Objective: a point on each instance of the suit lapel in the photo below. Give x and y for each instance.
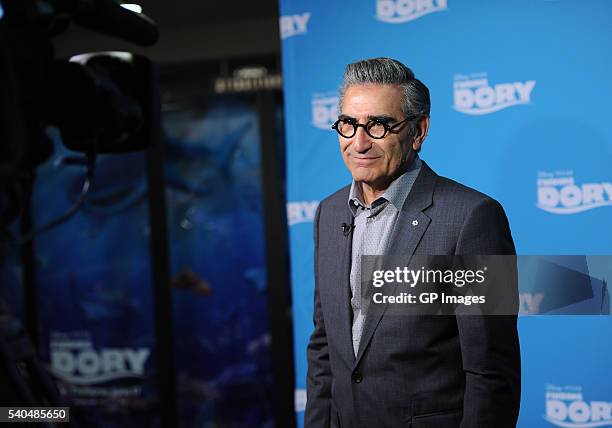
(343, 267)
(407, 233)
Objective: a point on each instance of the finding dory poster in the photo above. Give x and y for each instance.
(94, 276)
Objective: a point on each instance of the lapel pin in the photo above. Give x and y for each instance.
(415, 223)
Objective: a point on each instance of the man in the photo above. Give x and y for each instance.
(371, 370)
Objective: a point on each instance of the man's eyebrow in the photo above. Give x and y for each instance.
(376, 117)
(382, 118)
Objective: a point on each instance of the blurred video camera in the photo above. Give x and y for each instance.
(100, 102)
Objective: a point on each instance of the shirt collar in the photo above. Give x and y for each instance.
(396, 193)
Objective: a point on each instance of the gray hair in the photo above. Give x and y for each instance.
(387, 71)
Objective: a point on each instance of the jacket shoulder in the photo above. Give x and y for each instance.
(454, 203)
(459, 195)
(337, 199)
(471, 221)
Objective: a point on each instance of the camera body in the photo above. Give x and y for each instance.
(101, 102)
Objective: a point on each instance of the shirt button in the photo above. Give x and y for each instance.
(357, 378)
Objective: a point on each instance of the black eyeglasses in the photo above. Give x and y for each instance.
(375, 128)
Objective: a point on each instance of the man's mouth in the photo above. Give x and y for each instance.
(364, 161)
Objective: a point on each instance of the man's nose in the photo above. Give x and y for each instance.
(361, 141)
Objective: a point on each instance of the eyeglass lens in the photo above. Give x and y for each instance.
(374, 128)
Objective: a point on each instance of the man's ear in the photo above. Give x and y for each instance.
(422, 127)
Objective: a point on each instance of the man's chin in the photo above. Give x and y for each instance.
(365, 178)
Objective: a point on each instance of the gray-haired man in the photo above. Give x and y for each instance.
(370, 370)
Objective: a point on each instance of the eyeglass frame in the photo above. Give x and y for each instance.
(365, 126)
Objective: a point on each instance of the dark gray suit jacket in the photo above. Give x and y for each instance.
(416, 371)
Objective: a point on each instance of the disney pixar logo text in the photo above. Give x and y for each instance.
(292, 25)
(400, 11)
(324, 110)
(78, 362)
(301, 211)
(474, 95)
(567, 408)
(559, 194)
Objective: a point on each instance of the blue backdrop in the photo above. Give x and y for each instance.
(520, 111)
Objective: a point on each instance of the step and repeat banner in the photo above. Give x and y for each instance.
(520, 110)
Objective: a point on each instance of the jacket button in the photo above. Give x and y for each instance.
(357, 378)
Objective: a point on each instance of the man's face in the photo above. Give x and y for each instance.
(374, 161)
